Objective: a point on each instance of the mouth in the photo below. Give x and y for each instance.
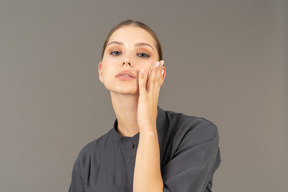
(126, 75)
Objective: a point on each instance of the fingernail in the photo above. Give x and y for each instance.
(162, 71)
(162, 62)
(157, 64)
(142, 71)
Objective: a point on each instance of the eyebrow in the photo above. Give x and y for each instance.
(137, 44)
(143, 44)
(115, 42)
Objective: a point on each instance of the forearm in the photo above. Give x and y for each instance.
(147, 172)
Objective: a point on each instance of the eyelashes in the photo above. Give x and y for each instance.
(142, 55)
(115, 53)
(145, 55)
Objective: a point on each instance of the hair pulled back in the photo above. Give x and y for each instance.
(136, 24)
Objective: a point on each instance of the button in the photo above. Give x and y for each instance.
(133, 146)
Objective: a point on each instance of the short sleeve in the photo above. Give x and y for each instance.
(76, 181)
(192, 167)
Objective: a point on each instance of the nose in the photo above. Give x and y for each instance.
(128, 62)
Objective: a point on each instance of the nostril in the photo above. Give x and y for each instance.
(127, 62)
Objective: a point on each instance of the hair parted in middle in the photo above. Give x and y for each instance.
(136, 24)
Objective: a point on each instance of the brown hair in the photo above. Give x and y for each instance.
(137, 24)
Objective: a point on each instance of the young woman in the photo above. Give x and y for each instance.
(148, 149)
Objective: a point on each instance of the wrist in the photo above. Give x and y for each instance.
(149, 135)
(147, 129)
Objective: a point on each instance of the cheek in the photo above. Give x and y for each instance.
(147, 68)
(107, 70)
(145, 64)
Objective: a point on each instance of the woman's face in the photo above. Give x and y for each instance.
(129, 49)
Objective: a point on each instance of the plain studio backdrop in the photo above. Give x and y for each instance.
(226, 61)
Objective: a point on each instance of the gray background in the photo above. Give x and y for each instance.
(226, 61)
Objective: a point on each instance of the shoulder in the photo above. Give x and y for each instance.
(192, 152)
(195, 129)
(189, 123)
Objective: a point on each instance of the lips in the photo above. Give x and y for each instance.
(126, 73)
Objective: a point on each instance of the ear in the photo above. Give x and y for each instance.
(100, 72)
(163, 74)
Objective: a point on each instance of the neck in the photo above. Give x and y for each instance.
(125, 108)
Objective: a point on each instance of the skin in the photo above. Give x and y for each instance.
(135, 101)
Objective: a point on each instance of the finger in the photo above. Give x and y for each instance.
(160, 71)
(158, 77)
(152, 77)
(149, 76)
(150, 70)
(142, 82)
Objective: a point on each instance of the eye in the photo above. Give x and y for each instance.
(115, 53)
(143, 55)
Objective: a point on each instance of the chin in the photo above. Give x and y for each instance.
(125, 91)
(120, 88)
(128, 92)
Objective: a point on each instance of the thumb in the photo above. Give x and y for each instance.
(142, 82)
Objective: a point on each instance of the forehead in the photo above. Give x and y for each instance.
(132, 35)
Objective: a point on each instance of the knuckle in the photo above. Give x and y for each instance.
(153, 78)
